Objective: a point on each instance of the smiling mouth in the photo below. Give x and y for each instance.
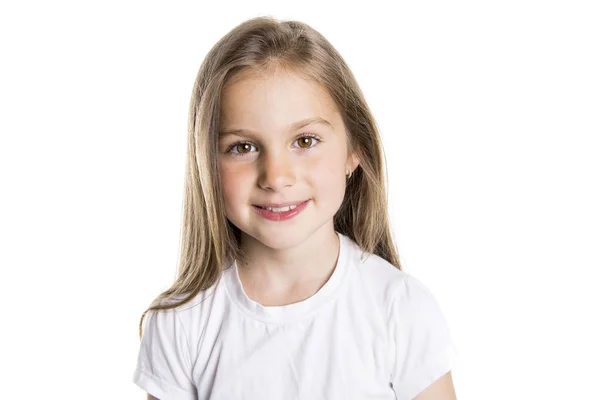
(281, 209)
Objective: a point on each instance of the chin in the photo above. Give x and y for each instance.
(278, 240)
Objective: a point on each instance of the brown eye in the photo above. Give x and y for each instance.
(243, 147)
(306, 142)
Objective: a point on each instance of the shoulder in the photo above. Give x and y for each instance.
(187, 319)
(397, 292)
(375, 273)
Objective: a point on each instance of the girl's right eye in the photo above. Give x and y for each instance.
(240, 148)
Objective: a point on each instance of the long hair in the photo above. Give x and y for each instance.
(208, 241)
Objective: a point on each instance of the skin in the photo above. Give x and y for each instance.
(442, 389)
(287, 261)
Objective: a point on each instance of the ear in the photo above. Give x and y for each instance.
(352, 161)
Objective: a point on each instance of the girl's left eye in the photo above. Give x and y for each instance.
(307, 141)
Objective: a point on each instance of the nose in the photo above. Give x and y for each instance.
(276, 170)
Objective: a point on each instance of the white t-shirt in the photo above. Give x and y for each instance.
(371, 332)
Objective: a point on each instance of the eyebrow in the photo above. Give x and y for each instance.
(295, 126)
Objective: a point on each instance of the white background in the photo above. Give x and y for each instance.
(490, 117)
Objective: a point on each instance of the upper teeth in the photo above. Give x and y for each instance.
(281, 209)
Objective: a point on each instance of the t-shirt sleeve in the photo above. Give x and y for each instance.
(164, 360)
(423, 349)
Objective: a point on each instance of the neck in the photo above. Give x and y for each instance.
(308, 264)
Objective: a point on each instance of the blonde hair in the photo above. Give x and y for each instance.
(209, 242)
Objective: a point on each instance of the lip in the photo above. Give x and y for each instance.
(279, 205)
(280, 216)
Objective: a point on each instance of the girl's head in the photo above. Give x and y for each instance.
(264, 76)
(282, 140)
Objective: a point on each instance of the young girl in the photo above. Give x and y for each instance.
(289, 284)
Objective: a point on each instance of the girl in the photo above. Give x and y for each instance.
(289, 285)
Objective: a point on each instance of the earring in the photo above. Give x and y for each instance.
(348, 173)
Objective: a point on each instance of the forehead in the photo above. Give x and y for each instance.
(274, 99)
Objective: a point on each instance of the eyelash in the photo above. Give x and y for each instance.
(238, 154)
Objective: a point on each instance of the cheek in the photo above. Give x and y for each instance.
(328, 177)
(232, 181)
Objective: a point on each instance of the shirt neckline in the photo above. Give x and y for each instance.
(289, 312)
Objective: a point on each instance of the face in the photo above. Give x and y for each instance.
(267, 155)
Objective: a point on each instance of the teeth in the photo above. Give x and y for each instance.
(281, 209)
